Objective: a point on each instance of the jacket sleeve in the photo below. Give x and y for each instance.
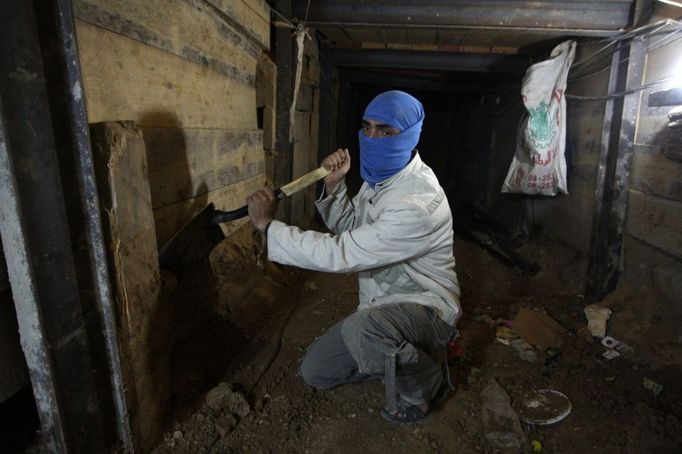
(337, 209)
(399, 234)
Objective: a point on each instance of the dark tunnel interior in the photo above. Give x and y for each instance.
(468, 136)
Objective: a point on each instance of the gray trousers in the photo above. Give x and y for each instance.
(368, 342)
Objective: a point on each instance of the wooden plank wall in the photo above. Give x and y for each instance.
(653, 241)
(185, 71)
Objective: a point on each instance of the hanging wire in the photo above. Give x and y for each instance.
(286, 20)
(655, 28)
(671, 2)
(305, 19)
(621, 93)
(645, 28)
(670, 37)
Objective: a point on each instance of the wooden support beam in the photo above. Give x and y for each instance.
(326, 105)
(613, 175)
(144, 324)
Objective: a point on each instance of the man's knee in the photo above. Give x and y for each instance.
(366, 329)
(312, 373)
(357, 324)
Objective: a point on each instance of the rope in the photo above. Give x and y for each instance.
(300, 35)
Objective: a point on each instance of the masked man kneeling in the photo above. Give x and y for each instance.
(396, 233)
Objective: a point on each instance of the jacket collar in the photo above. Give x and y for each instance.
(414, 164)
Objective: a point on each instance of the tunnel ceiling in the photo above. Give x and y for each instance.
(455, 25)
(472, 84)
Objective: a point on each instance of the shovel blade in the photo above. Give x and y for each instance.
(192, 243)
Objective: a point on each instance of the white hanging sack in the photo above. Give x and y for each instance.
(539, 165)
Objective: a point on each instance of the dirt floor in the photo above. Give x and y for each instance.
(242, 334)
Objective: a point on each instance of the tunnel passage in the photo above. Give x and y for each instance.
(468, 136)
(207, 86)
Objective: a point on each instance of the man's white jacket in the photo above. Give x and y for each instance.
(398, 237)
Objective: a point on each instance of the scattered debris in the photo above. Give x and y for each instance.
(172, 438)
(585, 334)
(486, 319)
(225, 424)
(536, 445)
(525, 350)
(610, 354)
(542, 407)
(501, 425)
(596, 319)
(652, 386)
(505, 335)
(610, 342)
(222, 397)
(310, 285)
(538, 329)
(474, 374)
(614, 348)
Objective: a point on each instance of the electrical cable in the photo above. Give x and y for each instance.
(657, 44)
(620, 94)
(613, 40)
(305, 19)
(640, 34)
(283, 17)
(668, 39)
(671, 2)
(637, 31)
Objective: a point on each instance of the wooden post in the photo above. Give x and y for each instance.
(284, 151)
(143, 321)
(613, 175)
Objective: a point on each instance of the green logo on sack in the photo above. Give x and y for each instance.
(541, 127)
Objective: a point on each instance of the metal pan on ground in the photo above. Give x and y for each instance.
(542, 407)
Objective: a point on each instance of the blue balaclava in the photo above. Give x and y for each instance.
(383, 157)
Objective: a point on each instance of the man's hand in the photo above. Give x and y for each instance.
(339, 163)
(262, 207)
